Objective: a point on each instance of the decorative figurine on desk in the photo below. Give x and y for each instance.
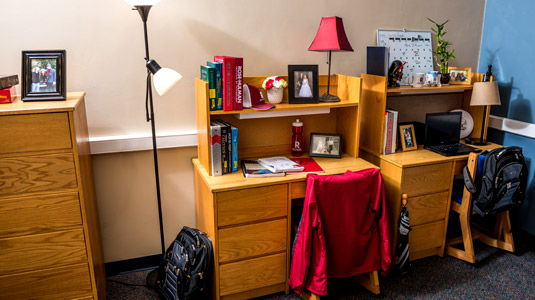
(488, 75)
(395, 73)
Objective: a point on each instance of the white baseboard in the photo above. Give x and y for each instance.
(512, 126)
(140, 142)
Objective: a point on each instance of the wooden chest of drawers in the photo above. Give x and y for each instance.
(50, 245)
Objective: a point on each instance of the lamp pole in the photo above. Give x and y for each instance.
(149, 108)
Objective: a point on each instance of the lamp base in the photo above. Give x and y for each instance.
(477, 142)
(327, 98)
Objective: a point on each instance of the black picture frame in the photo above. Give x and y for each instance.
(325, 145)
(297, 94)
(51, 82)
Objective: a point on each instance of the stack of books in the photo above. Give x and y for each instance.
(224, 146)
(225, 82)
(279, 166)
(7, 88)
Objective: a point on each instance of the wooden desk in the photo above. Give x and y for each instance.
(427, 178)
(248, 220)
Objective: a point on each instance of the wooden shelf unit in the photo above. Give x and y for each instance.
(249, 219)
(426, 177)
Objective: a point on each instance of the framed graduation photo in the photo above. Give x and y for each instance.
(43, 75)
(303, 84)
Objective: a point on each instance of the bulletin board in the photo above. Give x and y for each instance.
(413, 47)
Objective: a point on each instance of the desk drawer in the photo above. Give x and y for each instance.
(34, 132)
(28, 174)
(427, 179)
(426, 236)
(72, 282)
(252, 240)
(250, 205)
(38, 214)
(252, 274)
(34, 252)
(428, 208)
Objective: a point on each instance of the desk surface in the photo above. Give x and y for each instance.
(421, 156)
(236, 179)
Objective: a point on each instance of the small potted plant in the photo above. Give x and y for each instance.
(274, 85)
(442, 56)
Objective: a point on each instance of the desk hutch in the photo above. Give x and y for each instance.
(248, 219)
(50, 246)
(426, 177)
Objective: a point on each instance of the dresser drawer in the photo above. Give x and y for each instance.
(253, 204)
(427, 179)
(72, 282)
(426, 236)
(28, 174)
(252, 240)
(34, 132)
(252, 274)
(34, 252)
(38, 214)
(428, 208)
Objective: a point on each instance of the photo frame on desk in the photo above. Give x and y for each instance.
(303, 84)
(408, 137)
(325, 145)
(460, 75)
(43, 75)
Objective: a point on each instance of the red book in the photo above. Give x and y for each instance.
(7, 95)
(310, 165)
(238, 66)
(228, 81)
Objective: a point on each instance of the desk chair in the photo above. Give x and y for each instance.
(343, 232)
(502, 228)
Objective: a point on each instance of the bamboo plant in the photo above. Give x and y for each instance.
(442, 56)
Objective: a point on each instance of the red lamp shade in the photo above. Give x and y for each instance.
(331, 36)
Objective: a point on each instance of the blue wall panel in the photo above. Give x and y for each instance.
(508, 43)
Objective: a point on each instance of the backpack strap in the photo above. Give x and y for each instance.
(468, 183)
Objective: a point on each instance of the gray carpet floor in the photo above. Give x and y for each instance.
(497, 274)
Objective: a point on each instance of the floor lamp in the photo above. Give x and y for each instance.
(331, 36)
(484, 94)
(164, 79)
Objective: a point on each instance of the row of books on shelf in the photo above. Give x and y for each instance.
(279, 166)
(390, 132)
(7, 88)
(224, 147)
(224, 76)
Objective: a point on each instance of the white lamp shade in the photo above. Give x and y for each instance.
(165, 79)
(142, 2)
(485, 93)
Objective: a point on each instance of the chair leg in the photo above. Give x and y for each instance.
(369, 281)
(468, 253)
(503, 225)
(309, 295)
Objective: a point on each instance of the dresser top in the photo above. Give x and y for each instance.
(21, 107)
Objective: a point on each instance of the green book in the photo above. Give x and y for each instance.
(208, 75)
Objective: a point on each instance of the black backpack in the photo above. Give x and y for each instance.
(503, 182)
(184, 272)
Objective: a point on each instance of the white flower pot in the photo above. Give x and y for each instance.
(274, 95)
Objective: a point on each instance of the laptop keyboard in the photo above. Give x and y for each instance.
(452, 148)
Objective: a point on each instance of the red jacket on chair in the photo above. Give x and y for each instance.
(343, 232)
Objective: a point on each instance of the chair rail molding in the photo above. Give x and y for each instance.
(142, 142)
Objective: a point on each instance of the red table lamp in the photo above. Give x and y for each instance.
(331, 36)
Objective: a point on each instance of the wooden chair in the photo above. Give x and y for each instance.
(369, 281)
(501, 238)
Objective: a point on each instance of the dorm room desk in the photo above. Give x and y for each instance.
(248, 220)
(427, 179)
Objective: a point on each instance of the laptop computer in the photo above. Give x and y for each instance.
(442, 134)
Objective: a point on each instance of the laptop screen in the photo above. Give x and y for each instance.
(442, 128)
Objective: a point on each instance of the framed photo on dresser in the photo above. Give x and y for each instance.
(43, 75)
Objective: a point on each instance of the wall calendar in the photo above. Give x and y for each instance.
(412, 47)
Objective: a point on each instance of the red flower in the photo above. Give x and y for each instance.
(278, 78)
(269, 84)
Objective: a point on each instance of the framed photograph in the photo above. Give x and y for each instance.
(460, 75)
(326, 145)
(408, 138)
(303, 84)
(43, 75)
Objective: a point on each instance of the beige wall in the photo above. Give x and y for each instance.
(104, 43)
